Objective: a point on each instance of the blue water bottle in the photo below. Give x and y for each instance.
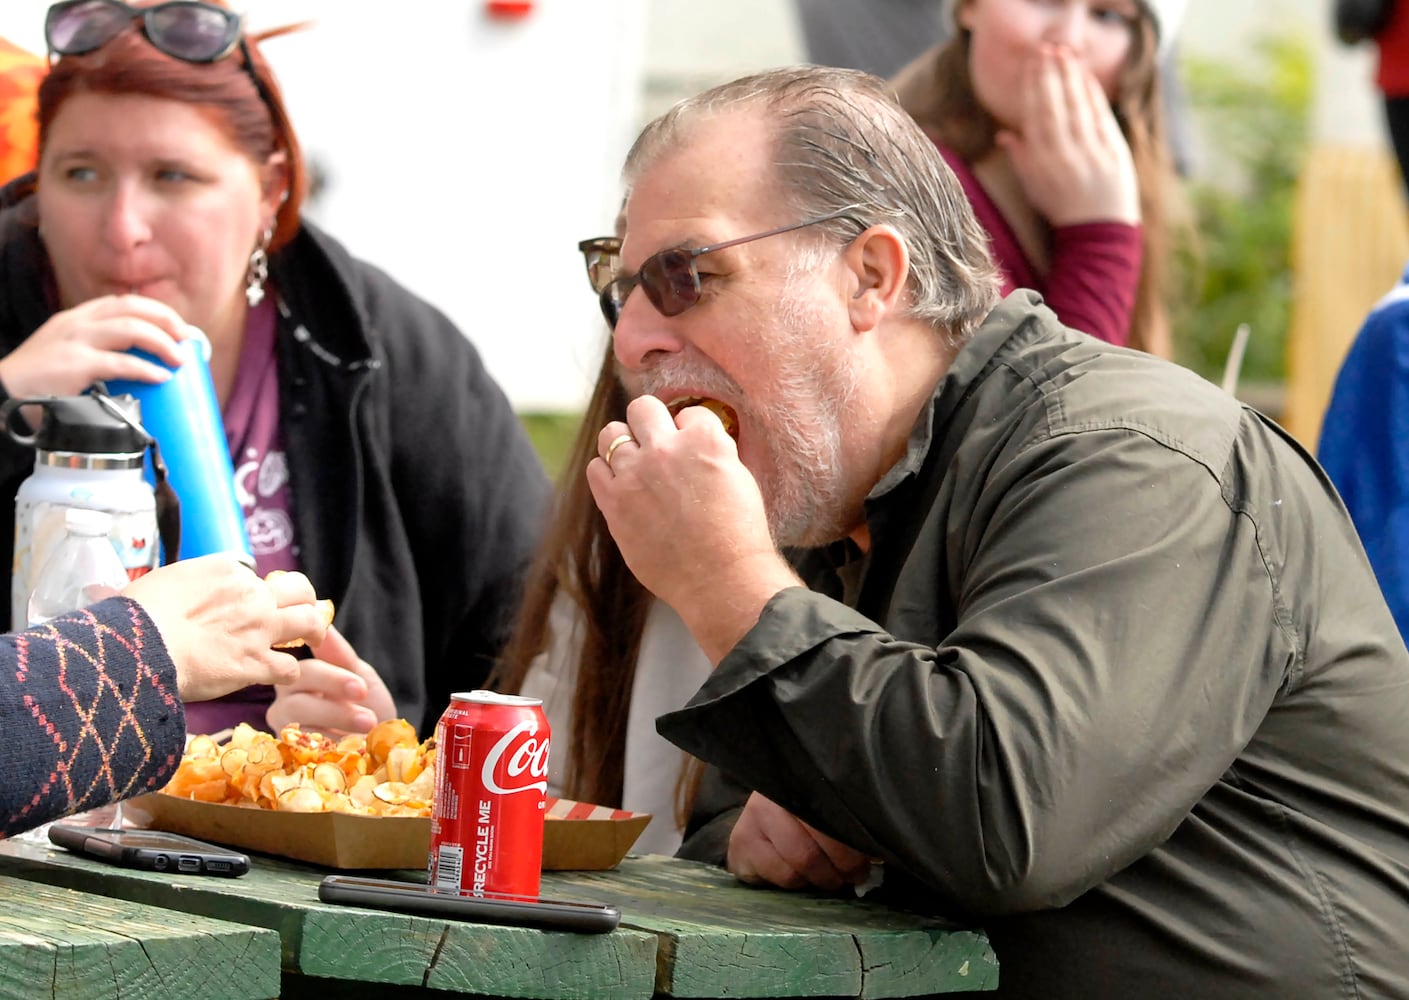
(182, 414)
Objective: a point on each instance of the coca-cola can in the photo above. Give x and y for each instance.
(491, 786)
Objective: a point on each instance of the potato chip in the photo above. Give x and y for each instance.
(386, 773)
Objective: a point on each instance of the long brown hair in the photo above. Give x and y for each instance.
(938, 92)
(255, 122)
(579, 558)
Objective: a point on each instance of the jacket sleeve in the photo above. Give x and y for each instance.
(1362, 447)
(89, 711)
(1096, 684)
(1094, 278)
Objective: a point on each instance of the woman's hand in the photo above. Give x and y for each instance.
(89, 343)
(1070, 156)
(337, 693)
(219, 620)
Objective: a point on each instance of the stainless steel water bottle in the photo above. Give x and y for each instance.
(85, 456)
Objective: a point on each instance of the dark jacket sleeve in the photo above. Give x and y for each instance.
(997, 763)
(89, 711)
(716, 807)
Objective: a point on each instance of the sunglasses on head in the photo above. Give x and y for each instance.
(669, 278)
(188, 30)
(183, 29)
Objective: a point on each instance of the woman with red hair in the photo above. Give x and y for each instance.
(372, 449)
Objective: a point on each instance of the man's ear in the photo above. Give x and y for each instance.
(878, 266)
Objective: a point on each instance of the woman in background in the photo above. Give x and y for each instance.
(605, 656)
(1049, 113)
(374, 451)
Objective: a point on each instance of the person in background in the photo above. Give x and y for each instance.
(1077, 646)
(884, 36)
(1392, 81)
(1362, 443)
(373, 450)
(20, 73)
(1051, 116)
(92, 703)
(605, 657)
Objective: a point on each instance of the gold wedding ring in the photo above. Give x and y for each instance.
(617, 442)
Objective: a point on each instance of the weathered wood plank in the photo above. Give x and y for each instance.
(691, 930)
(63, 943)
(349, 943)
(721, 938)
(369, 945)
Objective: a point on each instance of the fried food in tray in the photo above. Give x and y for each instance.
(385, 773)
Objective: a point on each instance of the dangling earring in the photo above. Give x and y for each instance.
(258, 272)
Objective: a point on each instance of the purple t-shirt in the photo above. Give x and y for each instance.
(256, 441)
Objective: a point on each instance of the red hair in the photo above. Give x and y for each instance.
(256, 123)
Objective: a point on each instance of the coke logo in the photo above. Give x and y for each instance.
(530, 758)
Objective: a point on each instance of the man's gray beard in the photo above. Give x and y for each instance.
(801, 478)
(806, 489)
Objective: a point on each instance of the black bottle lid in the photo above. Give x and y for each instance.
(78, 424)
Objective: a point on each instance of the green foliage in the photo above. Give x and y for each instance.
(551, 434)
(1253, 119)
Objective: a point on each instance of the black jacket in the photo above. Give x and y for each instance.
(418, 498)
(1115, 680)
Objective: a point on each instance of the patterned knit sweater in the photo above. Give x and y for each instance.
(89, 714)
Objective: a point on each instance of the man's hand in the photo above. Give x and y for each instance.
(689, 519)
(219, 620)
(1069, 154)
(771, 845)
(337, 692)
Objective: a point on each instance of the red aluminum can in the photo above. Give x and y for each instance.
(491, 786)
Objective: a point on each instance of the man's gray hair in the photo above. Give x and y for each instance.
(842, 140)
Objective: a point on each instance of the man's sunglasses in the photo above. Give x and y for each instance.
(669, 278)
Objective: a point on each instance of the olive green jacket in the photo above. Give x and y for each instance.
(1115, 680)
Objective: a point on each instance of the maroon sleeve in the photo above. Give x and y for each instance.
(1094, 277)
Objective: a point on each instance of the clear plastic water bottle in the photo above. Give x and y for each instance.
(84, 569)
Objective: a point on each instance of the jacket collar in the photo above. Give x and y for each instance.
(1019, 319)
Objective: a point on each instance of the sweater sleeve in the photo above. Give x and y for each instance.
(90, 714)
(1094, 277)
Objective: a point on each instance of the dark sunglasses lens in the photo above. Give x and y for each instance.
(671, 282)
(611, 306)
(71, 29)
(194, 32)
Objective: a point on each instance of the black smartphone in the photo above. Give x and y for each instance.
(150, 850)
(491, 908)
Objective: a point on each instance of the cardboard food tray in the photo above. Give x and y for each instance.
(576, 836)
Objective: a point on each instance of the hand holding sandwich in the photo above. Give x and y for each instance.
(689, 519)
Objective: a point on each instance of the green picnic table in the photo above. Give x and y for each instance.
(688, 930)
(58, 942)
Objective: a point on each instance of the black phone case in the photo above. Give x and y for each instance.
(175, 854)
(416, 897)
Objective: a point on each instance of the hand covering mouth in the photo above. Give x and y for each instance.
(723, 411)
